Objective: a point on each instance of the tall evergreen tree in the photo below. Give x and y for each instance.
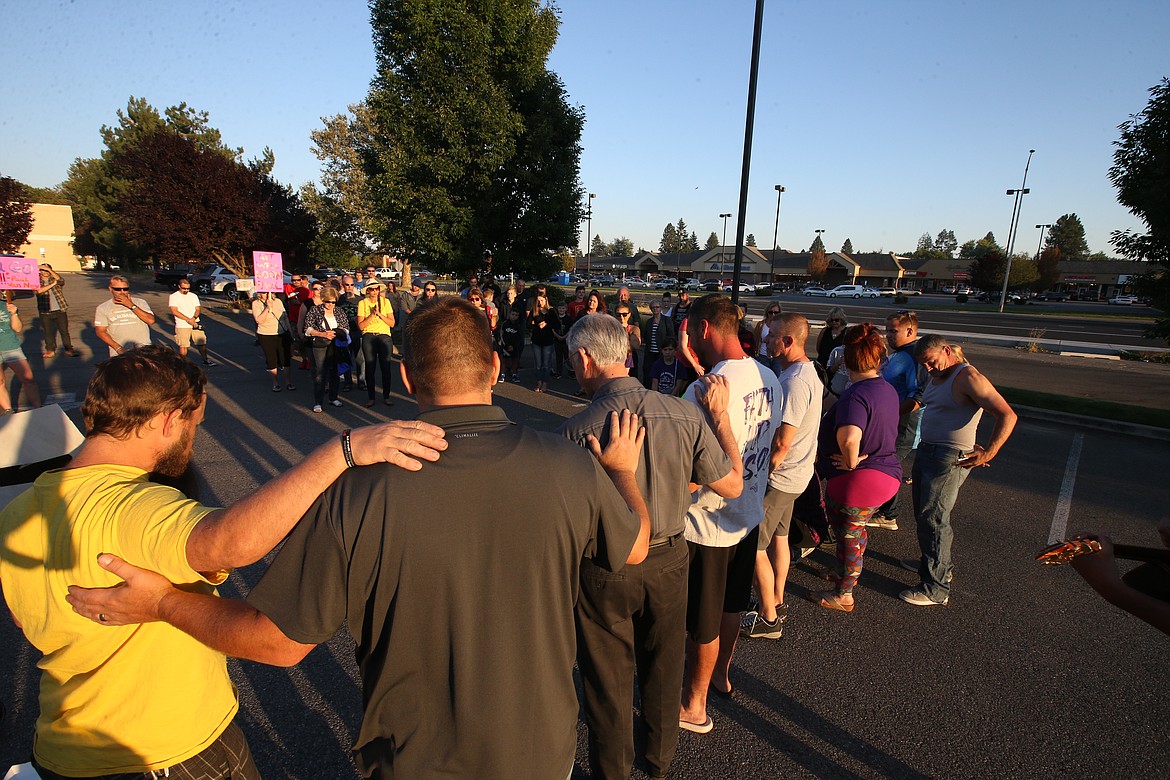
(750, 240)
(473, 141)
(847, 247)
(1068, 235)
(817, 244)
(670, 242)
(712, 241)
(692, 243)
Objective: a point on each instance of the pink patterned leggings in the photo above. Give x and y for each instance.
(851, 499)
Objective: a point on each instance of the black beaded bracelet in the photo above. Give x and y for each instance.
(347, 449)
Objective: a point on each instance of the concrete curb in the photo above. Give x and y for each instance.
(1094, 423)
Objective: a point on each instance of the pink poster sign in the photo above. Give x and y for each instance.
(19, 273)
(269, 272)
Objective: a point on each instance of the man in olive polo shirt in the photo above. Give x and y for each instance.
(463, 624)
(637, 617)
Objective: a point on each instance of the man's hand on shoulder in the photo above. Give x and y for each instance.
(713, 394)
(398, 442)
(137, 600)
(624, 448)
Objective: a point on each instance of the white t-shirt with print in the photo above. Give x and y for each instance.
(754, 407)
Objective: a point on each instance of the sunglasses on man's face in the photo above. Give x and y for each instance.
(120, 289)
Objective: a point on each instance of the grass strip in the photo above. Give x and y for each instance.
(1108, 410)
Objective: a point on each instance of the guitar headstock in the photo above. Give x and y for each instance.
(1064, 552)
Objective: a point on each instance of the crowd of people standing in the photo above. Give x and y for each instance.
(709, 441)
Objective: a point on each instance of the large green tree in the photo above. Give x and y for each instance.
(712, 241)
(987, 268)
(180, 201)
(1141, 174)
(472, 142)
(97, 192)
(1068, 235)
(817, 244)
(15, 216)
(847, 247)
(1048, 268)
(975, 249)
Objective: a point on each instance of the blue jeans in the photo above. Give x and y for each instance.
(544, 359)
(936, 488)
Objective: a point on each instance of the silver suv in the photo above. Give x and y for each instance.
(852, 291)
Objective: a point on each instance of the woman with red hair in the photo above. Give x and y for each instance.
(855, 451)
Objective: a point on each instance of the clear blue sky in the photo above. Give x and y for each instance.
(883, 120)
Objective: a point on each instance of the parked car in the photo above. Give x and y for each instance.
(821, 291)
(949, 290)
(604, 281)
(692, 284)
(635, 282)
(1052, 296)
(888, 292)
(213, 278)
(912, 291)
(174, 273)
(852, 291)
(387, 273)
(993, 296)
(712, 285)
(1123, 300)
(666, 284)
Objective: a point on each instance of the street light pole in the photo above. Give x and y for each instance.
(1011, 245)
(589, 233)
(722, 261)
(776, 234)
(1040, 241)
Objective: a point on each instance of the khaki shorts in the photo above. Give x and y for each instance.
(777, 515)
(185, 337)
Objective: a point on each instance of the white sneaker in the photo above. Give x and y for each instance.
(917, 597)
(336, 402)
(317, 408)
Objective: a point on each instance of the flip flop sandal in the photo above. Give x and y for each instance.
(697, 728)
(830, 600)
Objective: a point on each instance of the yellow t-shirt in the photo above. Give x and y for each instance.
(375, 325)
(113, 699)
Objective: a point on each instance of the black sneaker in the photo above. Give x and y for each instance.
(753, 626)
(555, 374)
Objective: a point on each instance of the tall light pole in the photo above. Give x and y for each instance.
(1040, 242)
(1018, 196)
(588, 232)
(724, 217)
(776, 234)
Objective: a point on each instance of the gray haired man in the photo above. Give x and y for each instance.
(636, 618)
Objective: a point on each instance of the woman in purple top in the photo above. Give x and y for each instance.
(855, 451)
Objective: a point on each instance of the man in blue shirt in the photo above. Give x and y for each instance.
(908, 378)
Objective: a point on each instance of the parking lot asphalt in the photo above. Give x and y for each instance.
(1026, 674)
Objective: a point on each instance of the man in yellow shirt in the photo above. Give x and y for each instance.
(148, 698)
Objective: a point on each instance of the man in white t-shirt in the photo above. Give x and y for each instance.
(123, 322)
(721, 533)
(188, 330)
(794, 453)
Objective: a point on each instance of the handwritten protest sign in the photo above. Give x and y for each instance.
(269, 271)
(19, 273)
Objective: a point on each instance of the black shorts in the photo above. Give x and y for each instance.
(720, 581)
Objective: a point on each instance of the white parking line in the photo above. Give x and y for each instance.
(1064, 500)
